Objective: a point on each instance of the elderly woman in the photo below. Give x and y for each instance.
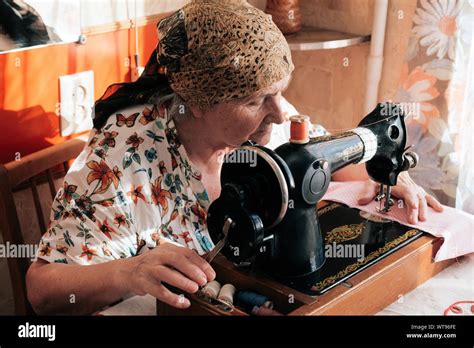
(140, 189)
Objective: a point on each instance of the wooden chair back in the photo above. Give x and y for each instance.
(30, 171)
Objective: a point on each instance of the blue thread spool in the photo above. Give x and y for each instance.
(249, 299)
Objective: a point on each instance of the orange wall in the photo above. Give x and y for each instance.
(29, 84)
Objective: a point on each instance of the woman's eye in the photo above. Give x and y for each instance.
(271, 96)
(260, 101)
(256, 103)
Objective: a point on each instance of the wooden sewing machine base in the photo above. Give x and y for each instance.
(366, 292)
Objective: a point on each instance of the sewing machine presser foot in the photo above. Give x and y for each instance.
(384, 199)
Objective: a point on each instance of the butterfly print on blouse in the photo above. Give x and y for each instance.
(128, 121)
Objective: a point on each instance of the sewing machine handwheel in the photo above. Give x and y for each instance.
(265, 182)
(244, 237)
(245, 233)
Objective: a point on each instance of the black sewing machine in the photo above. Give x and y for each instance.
(266, 215)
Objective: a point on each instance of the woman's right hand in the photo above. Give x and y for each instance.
(177, 266)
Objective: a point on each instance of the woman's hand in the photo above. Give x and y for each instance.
(414, 196)
(177, 266)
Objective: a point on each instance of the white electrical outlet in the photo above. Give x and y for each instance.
(76, 102)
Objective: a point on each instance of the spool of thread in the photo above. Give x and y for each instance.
(299, 129)
(211, 289)
(227, 294)
(264, 311)
(250, 299)
(456, 309)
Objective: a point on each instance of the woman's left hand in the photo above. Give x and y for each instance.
(414, 196)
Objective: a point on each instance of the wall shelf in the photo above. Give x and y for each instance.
(308, 39)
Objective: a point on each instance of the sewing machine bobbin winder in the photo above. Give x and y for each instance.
(272, 236)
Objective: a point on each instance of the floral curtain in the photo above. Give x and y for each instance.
(437, 91)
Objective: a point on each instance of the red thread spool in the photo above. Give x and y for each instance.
(299, 129)
(456, 309)
(264, 311)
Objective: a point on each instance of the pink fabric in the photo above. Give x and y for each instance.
(455, 226)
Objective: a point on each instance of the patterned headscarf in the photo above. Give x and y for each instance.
(210, 51)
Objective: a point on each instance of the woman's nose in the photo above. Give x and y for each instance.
(276, 113)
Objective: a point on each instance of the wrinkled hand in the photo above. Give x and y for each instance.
(177, 266)
(414, 196)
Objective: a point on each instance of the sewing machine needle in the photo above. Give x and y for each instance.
(388, 200)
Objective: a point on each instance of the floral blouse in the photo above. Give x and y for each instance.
(132, 185)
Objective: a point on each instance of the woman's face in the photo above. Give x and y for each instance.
(234, 122)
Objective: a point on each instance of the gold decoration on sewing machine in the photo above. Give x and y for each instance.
(327, 208)
(344, 233)
(353, 267)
